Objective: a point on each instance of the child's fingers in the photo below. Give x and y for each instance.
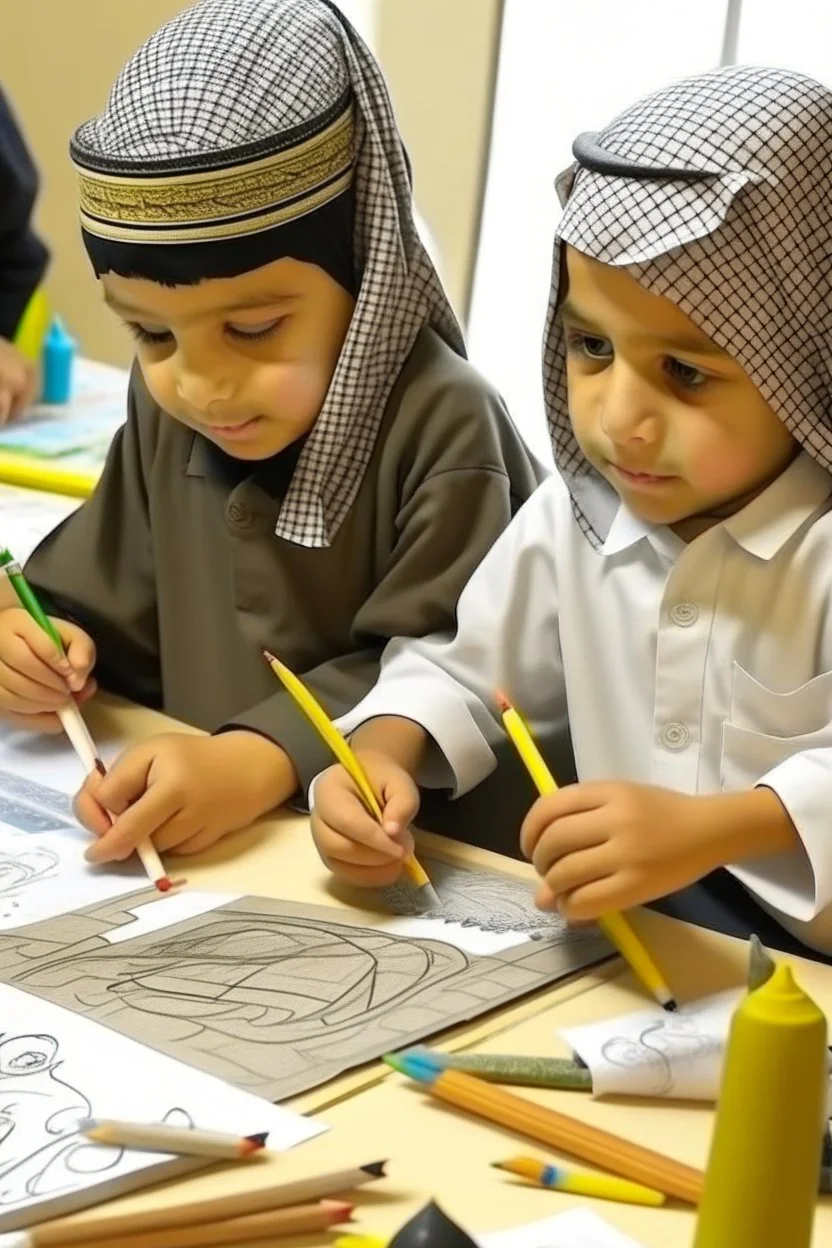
(353, 823)
(80, 651)
(366, 877)
(89, 690)
(28, 650)
(44, 721)
(21, 693)
(6, 399)
(138, 823)
(88, 811)
(401, 803)
(335, 846)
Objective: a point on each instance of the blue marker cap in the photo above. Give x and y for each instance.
(58, 359)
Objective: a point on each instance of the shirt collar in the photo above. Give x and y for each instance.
(772, 518)
(762, 527)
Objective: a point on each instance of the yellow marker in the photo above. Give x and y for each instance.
(360, 1241)
(34, 323)
(581, 1183)
(614, 925)
(345, 755)
(761, 1186)
(35, 474)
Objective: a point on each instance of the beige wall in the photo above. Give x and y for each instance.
(59, 57)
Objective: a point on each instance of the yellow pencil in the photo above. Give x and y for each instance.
(614, 925)
(36, 474)
(581, 1182)
(345, 755)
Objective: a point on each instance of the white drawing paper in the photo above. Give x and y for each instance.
(579, 1228)
(57, 1068)
(462, 936)
(654, 1053)
(42, 867)
(26, 516)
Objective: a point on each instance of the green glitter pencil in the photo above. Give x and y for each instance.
(530, 1072)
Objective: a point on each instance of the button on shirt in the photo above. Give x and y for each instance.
(700, 667)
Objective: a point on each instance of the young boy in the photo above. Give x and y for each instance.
(670, 588)
(309, 465)
(23, 260)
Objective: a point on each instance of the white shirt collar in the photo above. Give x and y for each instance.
(762, 527)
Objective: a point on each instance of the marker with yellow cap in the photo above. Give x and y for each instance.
(761, 1184)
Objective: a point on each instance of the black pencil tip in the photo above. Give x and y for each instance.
(671, 1006)
(259, 1139)
(375, 1168)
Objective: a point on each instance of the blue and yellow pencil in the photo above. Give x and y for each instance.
(581, 1182)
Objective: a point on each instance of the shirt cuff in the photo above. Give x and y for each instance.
(799, 884)
(445, 717)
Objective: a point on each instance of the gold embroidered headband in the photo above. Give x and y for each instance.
(255, 192)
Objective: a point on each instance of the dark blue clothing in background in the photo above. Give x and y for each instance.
(23, 257)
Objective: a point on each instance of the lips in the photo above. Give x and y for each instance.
(641, 477)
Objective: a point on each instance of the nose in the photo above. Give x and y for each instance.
(629, 410)
(202, 381)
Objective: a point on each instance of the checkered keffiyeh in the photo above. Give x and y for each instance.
(746, 254)
(229, 72)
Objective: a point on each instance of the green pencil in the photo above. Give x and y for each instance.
(27, 597)
(530, 1072)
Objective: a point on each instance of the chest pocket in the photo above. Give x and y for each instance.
(765, 727)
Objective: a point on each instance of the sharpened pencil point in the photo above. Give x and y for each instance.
(376, 1169)
(502, 702)
(257, 1141)
(392, 1059)
(430, 897)
(671, 1005)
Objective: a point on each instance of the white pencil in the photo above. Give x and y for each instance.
(159, 1137)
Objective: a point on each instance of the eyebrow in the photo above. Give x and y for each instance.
(239, 305)
(679, 342)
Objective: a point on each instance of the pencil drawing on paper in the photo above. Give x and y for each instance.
(659, 1046)
(29, 806)
(489, 900)
(42, 1152)
(41, 1149)
(272, 996)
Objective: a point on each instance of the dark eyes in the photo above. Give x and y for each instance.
(242, 333)
(593, 347)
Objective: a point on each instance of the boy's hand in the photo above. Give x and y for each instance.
(35, 680)
(18, 382)
(602, 847)
(349, 840)
(184, 792)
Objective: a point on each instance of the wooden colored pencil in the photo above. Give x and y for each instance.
(63, 1232)
(270, 1225)
(615, 927)
(555, 1130)
(581, 1182)
(348, 759)
(160, 1137)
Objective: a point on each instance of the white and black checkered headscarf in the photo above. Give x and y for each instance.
(716, 193)
(231, 74)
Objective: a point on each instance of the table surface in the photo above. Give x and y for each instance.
(434, 1150)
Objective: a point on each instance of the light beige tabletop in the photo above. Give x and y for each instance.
(435, 1151)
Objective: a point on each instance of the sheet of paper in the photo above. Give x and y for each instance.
(57, 1067)
(579, 1228)
(26, 516)
(84, 425)
(466, 937)
(653, 1053)
(42, 867)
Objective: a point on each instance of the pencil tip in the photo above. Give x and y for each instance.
(502, 701)
(376, 1169)
(164, 883)
(100, 768)
(257, 1141)
(268, 657)
(670, 1005)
